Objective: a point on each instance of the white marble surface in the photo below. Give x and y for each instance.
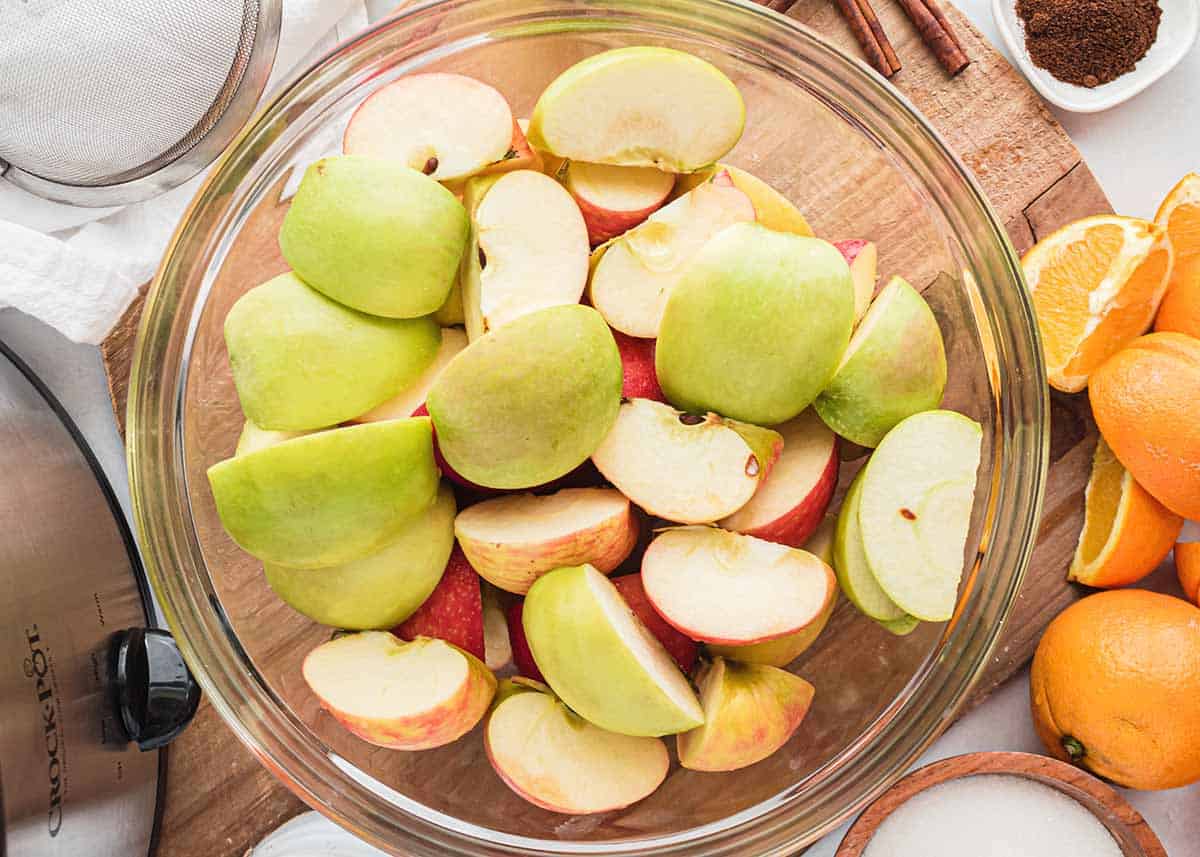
(1137, 151)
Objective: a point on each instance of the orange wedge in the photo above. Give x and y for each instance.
(1180, 216)
(1187, 566)
(1126, 532)
(1096, 286)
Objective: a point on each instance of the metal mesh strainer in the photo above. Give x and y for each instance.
(111, 101)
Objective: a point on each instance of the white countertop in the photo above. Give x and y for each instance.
(1137, 151)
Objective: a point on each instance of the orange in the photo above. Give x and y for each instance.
(1180, 216)
(1115, 687)
(1187, 566)
(1146, 400)
(1096, 285)
(1126, 532)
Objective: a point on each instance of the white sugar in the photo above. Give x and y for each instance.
(992, 815)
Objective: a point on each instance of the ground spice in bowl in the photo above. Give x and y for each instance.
(1088, 42)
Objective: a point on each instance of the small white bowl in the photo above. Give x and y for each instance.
(1177, 33)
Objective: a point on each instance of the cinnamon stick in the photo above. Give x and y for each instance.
(880, 36)
(937, 12)
(866, 37)
(937, 34)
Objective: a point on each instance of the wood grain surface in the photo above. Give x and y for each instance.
(220, 800)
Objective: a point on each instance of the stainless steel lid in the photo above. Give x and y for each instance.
(83, 684)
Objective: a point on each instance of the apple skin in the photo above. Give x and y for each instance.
(530, 401)
(375, 235)
(850, 563)
(645, 190)
(755, 327)
(301, 361)
(442, 723)
(408, 401)
(448, 471)
(637, 365)
(894, 367)
(513, 562)
(382, 589)
(329, 497)
(863, 258)
(683, 649)
(750, 711)
(556, 760)
(453, 611)
(522, 656)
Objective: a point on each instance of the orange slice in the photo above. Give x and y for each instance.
(1180, 216)
(1096, 286)
(1187, 566)
(1126, 532)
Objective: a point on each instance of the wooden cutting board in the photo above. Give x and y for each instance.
(220, 800)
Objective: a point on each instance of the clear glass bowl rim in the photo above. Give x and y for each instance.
(790, 820)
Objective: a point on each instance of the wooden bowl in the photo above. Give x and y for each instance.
(1126, 825)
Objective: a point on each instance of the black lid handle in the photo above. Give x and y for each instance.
(156, 693)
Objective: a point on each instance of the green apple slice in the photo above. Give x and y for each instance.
(850, 562)
(556, 760)
(915, 510)
(640, 107)
(894, 367)
(601, 660)
(330, 497)
(254, 438)
(382, 589)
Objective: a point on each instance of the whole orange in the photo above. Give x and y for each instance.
(1115, 687)
(1146, 399)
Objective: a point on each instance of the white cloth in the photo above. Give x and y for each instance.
(77, 269)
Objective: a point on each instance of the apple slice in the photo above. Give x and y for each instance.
(616, 199)
(791, 503)
(453, 611)
(850, 562)
(918, 490)
(522, 656)
(446, 126)
(771, 208)
(750, 711)
(684, 467)
(601, 660)
(411, 398)
(520, 156)
(497, 645)
(529, 249)
(640, 107)
(863, 258)
(637, 367)
(513, 540)
(683, 649)
(634, 275)
(403, 696)
(556, 760)
(254, 438)
(726, 588)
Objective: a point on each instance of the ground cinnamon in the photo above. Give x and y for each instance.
(1088, 42)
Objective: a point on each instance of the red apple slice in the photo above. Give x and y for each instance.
(513, 540)
(408, 401)
(615, 199)
(403, 696)
(678, 646)
(792, 501)
(863, 258)
(522, 656)
(447, 126)
(722, 587)
(453, 611)
(637, 364)
(556, 760)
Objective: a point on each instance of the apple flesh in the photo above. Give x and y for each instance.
(894, 367)
(637, 367)
(918, 490)
(529, 249)
(792, 501)
(682, 467)
(863, 258)
(601, 660)
(640, 107)
(556, 760)
(726, 588)
(382, 589)
(522, 656)
(750, 711)
(375, 235)
(771, 208)
(497, 646)
(854, 573)
(447, 126)
(756, 326)
(302, 361)
(403, 696)
(329, 497)
(633, 276)
(530, 401)
(513, 540)
(254, 438)
(453, 611)
(613, 200)
(412, 397)
(680, 647)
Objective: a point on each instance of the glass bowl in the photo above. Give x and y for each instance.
(859, 161)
